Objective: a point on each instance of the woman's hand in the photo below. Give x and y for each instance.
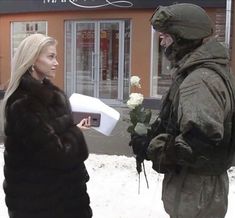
(85, 123)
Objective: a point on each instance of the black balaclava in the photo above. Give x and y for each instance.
(179, 48)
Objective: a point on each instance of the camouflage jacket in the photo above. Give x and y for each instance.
(194, 128)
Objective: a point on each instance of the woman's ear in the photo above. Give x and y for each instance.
(31, 69)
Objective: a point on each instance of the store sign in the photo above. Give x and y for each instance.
(21, 6)
(92, 3)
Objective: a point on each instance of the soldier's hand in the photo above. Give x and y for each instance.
(139, 146)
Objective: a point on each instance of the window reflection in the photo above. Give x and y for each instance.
(161, 77)
(20, 30)
(97, 58)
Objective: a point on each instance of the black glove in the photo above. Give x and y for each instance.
(139, 146)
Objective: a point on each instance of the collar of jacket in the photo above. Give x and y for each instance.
(43, 90)
(211, 51)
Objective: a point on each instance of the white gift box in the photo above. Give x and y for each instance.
(109, 116)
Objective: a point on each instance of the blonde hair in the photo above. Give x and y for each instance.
(24, 58)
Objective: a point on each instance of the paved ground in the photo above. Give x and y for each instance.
(116, 144)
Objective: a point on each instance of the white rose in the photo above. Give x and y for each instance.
(135, 81)
(135, 99)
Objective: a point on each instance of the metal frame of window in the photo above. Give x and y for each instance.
(97, 24)
(25, 22)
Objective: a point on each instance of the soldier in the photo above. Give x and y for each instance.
(191, 141)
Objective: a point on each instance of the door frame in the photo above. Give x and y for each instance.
(97, 24)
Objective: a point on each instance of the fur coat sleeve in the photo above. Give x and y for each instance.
(39, 123)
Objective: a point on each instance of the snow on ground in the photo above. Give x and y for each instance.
(113, 189)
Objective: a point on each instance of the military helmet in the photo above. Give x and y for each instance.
(187, 21)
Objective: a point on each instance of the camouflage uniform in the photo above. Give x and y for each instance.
(191, 139)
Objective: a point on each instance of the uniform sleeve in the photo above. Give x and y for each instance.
(33, 131)
(203, 107)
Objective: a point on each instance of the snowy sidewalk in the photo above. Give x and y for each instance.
(113, 189)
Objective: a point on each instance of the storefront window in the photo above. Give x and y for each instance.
(97, 59)
(126, 60)
(19, 30)
(160, 69)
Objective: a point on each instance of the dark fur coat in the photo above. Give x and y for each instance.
(45, 175)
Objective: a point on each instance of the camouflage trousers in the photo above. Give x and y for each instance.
(187, 195)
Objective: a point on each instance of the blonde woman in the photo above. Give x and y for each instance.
(45, 175)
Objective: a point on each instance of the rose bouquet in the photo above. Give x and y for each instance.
(139, 118)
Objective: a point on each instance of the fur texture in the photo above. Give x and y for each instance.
(45, 175)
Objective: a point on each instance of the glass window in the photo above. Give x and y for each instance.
(68, 58)
(19, 30)
(127, 53)
(97, 59)
(160, 70)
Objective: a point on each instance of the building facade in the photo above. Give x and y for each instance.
(102, 43)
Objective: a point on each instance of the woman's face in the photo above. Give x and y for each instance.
(46, 63)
